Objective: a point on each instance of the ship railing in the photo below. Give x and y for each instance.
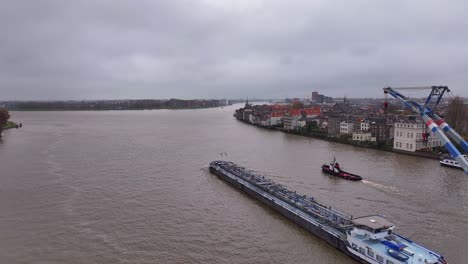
(318, 210)
(338, 225)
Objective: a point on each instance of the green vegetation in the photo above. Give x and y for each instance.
(4, 123)
(10, 124)
(4, 116)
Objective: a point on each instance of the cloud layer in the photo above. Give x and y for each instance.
(229, 49)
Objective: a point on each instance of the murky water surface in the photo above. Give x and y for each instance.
(134, 187)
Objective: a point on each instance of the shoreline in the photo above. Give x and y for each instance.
(387, 148)
(101, 110)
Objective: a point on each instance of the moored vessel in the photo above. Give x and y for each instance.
(448, 161)
(368, 239)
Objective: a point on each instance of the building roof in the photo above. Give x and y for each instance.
(373, 222)
(307, 111)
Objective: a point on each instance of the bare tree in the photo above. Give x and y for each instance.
(457, 115)
(297, 105)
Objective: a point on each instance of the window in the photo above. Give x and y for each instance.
(354, 246)
(411, 146)
(407, 145)
(361, 250)
(390, 262)
(370, 252)
(379, 259)
(411, 135)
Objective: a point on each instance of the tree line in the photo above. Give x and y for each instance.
(457, 116)
(113, 104)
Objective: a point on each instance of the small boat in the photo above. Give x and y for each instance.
(334, 169)
(397, 255)
(451, 162)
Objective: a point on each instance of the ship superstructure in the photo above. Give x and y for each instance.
(368, 239)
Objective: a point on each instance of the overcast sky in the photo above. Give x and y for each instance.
(229, 49)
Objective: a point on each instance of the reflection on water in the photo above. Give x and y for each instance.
(133, 187)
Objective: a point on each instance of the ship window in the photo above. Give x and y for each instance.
(379, 259)
(363, 251)
(354, 245)
(390, 262)
(370, 252)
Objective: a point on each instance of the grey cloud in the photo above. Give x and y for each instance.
(217, 49)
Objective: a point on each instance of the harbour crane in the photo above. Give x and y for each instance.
(435, 123)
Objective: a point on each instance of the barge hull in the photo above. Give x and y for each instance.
(290, 213)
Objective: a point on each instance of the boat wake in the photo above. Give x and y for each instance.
(382, 187)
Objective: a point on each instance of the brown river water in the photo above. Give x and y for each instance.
(134, 187)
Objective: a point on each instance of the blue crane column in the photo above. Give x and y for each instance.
(450, 132)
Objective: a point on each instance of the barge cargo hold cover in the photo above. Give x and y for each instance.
(366, 239)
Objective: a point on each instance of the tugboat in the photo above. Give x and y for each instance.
(334, 169)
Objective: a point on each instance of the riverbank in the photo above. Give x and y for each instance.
(345, 139)
(134, 104)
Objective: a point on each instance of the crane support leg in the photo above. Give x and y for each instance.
(446, 142)
(451, 132)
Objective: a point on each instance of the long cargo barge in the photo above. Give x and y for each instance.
(367, 239)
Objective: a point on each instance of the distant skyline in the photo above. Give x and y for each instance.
(87, 50)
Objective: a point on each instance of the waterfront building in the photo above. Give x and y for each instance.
(290, 122)
(333, 125)
(302, 122)
(380, 129)
(292, 117)
(363, 136)
(346, 127)
(360, 124)
(413, 136)
(275, 118)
